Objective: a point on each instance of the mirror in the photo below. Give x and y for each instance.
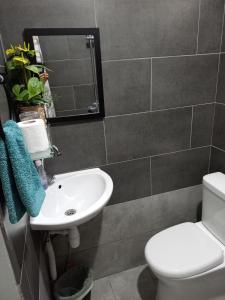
(73, 64)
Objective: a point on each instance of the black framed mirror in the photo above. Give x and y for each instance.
(72, 57)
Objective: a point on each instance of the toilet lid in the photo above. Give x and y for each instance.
(182, 251)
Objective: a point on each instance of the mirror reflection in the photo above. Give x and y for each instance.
(71, 67)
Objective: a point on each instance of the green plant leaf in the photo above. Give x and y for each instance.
(22, 60)
(16, 89)
(35, 87)
(31, 53)
(40, 67)
(23, 96)
(10, 65)
(33, 69)
(10, 51)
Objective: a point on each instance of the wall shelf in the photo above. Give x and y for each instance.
(50, 153)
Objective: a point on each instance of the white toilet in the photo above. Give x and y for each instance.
(189, 258)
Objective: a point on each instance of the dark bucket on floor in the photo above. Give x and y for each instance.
(74, 284)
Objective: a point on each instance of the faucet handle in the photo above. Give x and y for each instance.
(56, 151)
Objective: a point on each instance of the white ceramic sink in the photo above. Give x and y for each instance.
(74, 198)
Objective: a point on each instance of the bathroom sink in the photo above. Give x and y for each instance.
(74, 198)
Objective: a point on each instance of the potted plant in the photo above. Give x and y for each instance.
(26, 80)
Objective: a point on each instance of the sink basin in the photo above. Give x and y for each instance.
(74, 198)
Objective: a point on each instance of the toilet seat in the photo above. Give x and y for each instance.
(182, 251)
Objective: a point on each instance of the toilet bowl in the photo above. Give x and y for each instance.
(189, 259)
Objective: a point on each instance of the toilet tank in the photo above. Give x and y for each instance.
(213, 206)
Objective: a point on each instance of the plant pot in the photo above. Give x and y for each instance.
(37, 108)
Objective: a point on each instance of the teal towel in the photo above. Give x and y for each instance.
(20, 181)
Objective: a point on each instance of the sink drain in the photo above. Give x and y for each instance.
(70, 212)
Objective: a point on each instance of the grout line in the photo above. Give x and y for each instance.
(151, 192)
(159, 57)
(151, 156)
(221, 37)
(217, 77)
(95, 14)
(24, 250)
(220, 103)
(220, 48)
(29, 284)
(158, 110)
(183, 150)
(71, 86)
(151, 100)
(199, 16)
(66, 59)
(74, 98)
(106, 152)
(213, 121)
(112, 290)
(209, 162)
(192, 118)
(217, 82)
(220, 149)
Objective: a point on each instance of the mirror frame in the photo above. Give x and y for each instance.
(28, 33)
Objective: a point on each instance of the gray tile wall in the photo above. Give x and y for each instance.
(217, 161)
(218, 149)
(160, 69)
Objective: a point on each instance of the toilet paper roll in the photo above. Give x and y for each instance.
(35, 135)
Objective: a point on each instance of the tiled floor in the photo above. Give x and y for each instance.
(133, 284)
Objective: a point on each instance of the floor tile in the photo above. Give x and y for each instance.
(134, 284)
(102, 290)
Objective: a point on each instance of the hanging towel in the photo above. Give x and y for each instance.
(20, 181)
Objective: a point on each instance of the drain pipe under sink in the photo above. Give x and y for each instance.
(74, 241)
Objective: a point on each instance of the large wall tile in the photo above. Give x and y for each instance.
(51, 13)
(181, 81)
(111, 258)
(141, 135)
(4, 112)
(63, 97)
(128, 137)
(126, 86)
(217, 163)
(220, 97)
(85, 96)
(219, 126)
(70, 72)
(31, 263)
(64, 47)
(202, 125)
(132, 29)
(179, 170)
(131, 180)
(82, 146)
(54, 47)
(16, 234)
(223, 39)
(170, 130)
(211, 18)
(25, 286)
